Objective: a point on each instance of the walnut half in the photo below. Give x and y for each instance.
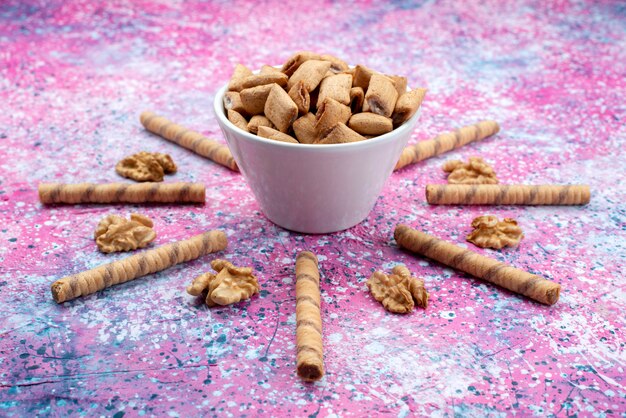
(490, 233)
(146, 166)
(476, 171)
(230, 285)
(398, 292)
(115, 233)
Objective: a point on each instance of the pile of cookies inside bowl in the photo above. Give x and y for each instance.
(318, 99)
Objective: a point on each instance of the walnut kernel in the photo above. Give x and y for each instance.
(490, 233)
(416, 286)
(146, 166)
(231, 284)
(115, 233)
(476, 171)
(398, 291)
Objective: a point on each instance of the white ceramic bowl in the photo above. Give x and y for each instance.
(314, 189)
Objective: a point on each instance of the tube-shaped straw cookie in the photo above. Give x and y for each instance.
(488, 269)
(510, 194)
(310, 358)
(189, 139)
(447, 141)
(122, 193)
(137, 265)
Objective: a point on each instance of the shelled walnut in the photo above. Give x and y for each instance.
(146, 166)
(398, 292)
(476, 171)
(115, 233)
(231, 284)
(490, 233)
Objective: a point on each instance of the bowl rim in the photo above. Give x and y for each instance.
(220, 113)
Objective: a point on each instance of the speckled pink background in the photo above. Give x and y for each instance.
(74, 76)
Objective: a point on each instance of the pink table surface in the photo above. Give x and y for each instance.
(74, 76)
